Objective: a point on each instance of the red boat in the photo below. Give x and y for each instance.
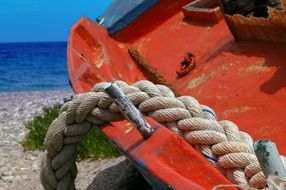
(234, 63)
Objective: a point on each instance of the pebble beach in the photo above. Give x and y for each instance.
(19, 169)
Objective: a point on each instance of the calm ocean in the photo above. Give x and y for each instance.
(33, 66)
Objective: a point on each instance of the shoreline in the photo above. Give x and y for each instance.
(27, 104)
(38, 90)
(64, 90)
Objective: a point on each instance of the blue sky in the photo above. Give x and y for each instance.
(44, 20)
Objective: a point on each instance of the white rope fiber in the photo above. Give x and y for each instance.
(221, 142)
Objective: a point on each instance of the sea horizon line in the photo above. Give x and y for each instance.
(33, 42)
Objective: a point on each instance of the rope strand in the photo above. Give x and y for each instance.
(221, 142)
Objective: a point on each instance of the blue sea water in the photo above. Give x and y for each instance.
(33, 66)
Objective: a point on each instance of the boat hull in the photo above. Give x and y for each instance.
(243, 81)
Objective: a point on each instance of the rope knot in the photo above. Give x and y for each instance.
(221, 142)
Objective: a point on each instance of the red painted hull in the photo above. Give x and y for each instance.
(242, 81)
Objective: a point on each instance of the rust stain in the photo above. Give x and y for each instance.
(271, 29)
(152, 72)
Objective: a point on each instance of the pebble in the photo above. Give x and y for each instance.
(19, 170)
(17, 166)
(7, 178)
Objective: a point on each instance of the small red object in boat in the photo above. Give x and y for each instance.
(240, 72)
(187, 65)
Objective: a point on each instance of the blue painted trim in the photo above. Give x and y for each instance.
(209, 111)
(152, 180)
(123, 12)
(210, 158)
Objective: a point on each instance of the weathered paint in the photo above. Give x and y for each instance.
(203, 11)
(242, 81)
(153, 181)
(166, 156)
(269, 158)
(271, 29)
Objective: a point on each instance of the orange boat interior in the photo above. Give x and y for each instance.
(242, 77)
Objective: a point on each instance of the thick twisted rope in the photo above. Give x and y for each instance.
(221, 142)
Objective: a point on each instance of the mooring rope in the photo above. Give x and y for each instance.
(221, 142)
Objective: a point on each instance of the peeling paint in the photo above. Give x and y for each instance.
(233, 111)
(99, 63)
(100, 57)
(252, 28)
(128, 128)
(122, 46)
(195, 82)
(80, 55)
(204, 77)
(257, 69)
